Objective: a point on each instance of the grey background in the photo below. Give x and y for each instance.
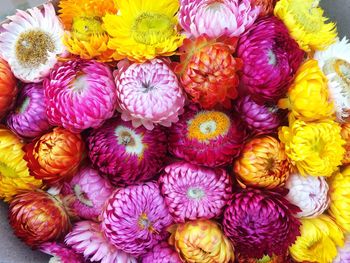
(11, 249)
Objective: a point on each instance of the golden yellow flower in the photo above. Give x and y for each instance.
(318, 242)
(315, 148)
(339, 192)
(306, 23)
(83, 19)
(345, 134)
(14, 174)
(308, 97)
(143, 29)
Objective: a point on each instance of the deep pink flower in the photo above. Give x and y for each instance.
(61, 253)
(162, 253)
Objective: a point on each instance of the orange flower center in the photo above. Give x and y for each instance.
(145, 223)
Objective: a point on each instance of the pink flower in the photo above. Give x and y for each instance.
(61, 253)
(162, 253)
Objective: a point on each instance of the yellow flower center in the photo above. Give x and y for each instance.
(145, 223)
(307, 14)
(264, 259)
(341, 68)
(208, 125)
(32, 48)
(152, 28)
(85, 27)
(6, 171)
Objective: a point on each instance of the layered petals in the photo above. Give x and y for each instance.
(8, 87)
(60, 253)
(162, 253)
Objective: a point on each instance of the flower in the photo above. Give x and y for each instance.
(264, 259)
(263, 163)
(261, 223)
(201, 241)
(87, 238)
(14, 174)
(90, 191)
(31, 41)
(308, 96)
(315, 148)
(208, 71)
(149, 94)
(125, 153)
(142, 30)
(29, 120)
(60, 253)
(309, 193)
(210, 138)
(37, 217)
(339, 208)
(216, 17)
(86, 36)
(343, 252)
(75, 91)
(306, 23)
(318, 242)
(335, 64)
(345, 134)
(260, 118)
(266, 6)
(193, 192)
(55, 156)
(161, 253)
(135, 217)
(270, 59)
(8, 87)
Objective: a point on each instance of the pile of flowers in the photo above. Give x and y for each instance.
(176, 131)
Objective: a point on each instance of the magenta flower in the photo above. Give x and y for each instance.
(61, 253)
(29, 120)
(162, 253)
(80, 94)
(194, 192)
(135, 218)
(125, 153)
(270, 59)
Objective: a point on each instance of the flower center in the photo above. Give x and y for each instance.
(152, 28)
(81, 196)
(208, 125)
(85, 27)
(145, 223)
(24, 106)
(32, 48)
(214, 5)
(79, 83)
(55, 260)
(307, 16)
(270, 164)
(272, 59)
(130, 139)
(264, 259)
(341, 68)
(195, 193)
(6, 171)
(147, 87)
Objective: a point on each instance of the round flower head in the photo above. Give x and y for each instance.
(270, 59)
(86, 36)
(31, 41)
(149, 94)
(208, 71)
(75, 91)
(194, 192)
(266, 6)
(216, 18)
(343, 252)
(60, 253)
(318, 242)
(142, 30)
(345, 134)
(260, 118)
(86, 238)
(125, 153)
(8, 87)
(261, 223)
(37, 217)
(308, 96)
(263, 163)
(201, 241)
(14, 174)
(309, 193)
(55, 156)
(306, 23)
(335, 64)
(29, 120)
(90, 191)
(135, 218)
(210, 138)
(339, 207)
(315, 148)
(162, 253)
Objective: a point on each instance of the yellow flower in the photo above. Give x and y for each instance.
(83, 20)
(315, 148)
(345, 133)
(306, 23)
(308, 97)
(14, 174)
(340, 199)
(318, 241)
(143, 29)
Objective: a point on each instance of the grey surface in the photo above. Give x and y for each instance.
(13, 251)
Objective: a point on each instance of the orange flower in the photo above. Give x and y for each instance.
(55, 156)
(8, 88)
